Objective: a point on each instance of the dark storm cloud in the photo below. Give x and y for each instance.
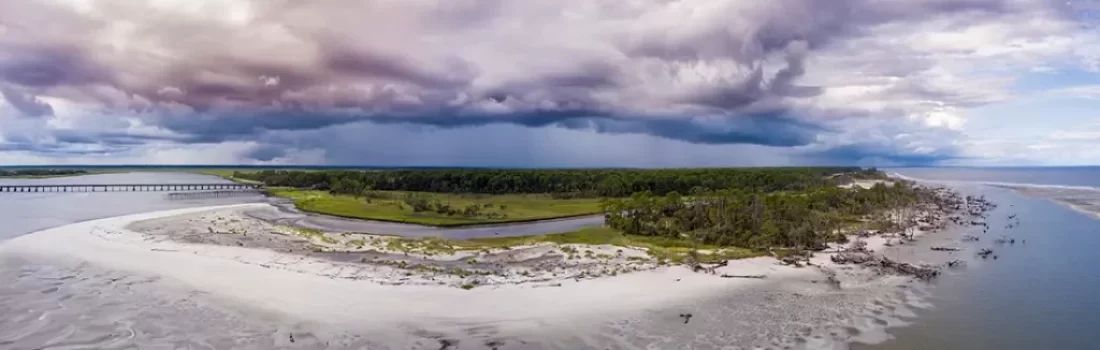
(266, 153)
(762, 129)
(877, 155)
(113, 138)
(369, 65)
(43, 67)
(733, 75)
(26, 103)
(54, 149)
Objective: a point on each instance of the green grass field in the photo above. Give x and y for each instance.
(391, 206)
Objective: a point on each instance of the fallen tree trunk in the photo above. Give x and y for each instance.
(697, 267)
(886, 265)
(744, 276)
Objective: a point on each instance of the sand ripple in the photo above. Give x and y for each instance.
(81, 307)
(84, 307)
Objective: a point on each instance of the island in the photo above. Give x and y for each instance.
(652, 241)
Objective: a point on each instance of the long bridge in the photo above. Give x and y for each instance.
(127, 187)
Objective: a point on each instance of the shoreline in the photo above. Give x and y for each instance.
(1078, 207)
(330, 292)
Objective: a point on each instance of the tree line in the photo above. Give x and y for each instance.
(41, 172)
(560, 183)
(797, 220)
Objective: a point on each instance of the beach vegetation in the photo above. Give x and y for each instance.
(797, 220)
(311, 234)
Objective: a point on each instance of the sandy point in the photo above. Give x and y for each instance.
(245, 277)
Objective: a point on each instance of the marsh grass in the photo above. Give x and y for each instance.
(311, 234)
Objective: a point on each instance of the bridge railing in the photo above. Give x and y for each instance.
(127, 187)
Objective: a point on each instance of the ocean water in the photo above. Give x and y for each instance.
(1042, 292)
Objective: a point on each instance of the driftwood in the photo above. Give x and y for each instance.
(886, 265)
(921, 272)
(955, 263)
(969, 238)
(744, 276)
(790, 260)
(697, 267)
(686, 317)
(858, 246)
(946, 249)
(852, 257)
(985, 253)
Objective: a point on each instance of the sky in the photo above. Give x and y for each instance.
(550, 83)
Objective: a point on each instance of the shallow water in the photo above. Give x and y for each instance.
(1039, 294)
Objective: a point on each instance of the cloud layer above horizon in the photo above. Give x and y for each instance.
(526, 83)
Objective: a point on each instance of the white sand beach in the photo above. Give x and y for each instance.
(313, 289)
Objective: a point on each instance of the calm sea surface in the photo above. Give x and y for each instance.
(25, 212)
(1042, 294)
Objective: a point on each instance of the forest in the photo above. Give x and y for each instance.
(561, 183)
(40, 172)
(797, 219)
